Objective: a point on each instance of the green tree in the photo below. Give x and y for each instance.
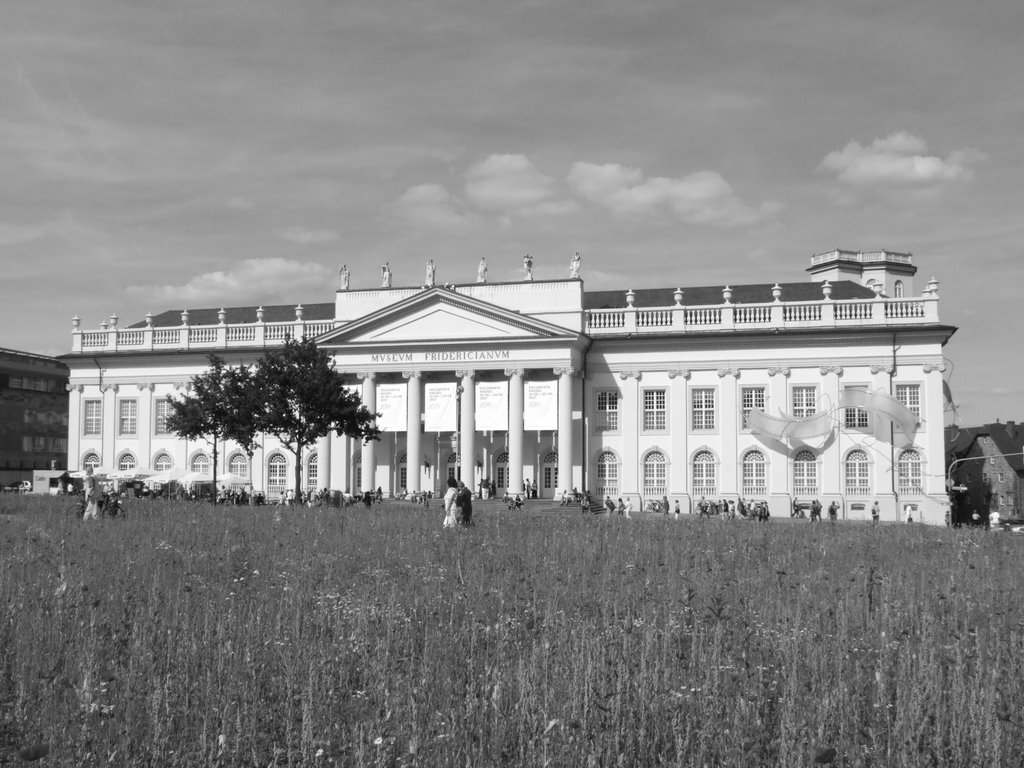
(219, 406)
(305, 399)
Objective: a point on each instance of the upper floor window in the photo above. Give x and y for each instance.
(161, 410)
(751, 398)
(655, 409)
(702, 403)
(910, 396)
(805, 401)
(92, 421)
(855, 418)
(608, 411)
(127, 417)
(897, 289)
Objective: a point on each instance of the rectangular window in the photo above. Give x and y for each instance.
(608, 411)
(855, 418)
(805, 401)
(910, 396)
(655, 409)
(751, 398)
(703, 408)
(127, 417)
(161, 409)
(92, 421)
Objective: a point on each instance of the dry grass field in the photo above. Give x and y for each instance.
(184, 635)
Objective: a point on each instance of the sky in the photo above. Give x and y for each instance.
(161, 155)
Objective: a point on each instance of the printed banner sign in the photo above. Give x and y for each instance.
(491, 405)
(540, 406)
(393, 407)
(440, 404)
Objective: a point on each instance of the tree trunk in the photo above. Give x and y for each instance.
(298, 472)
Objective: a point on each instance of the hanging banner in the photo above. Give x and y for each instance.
(540, 406)
(439, 407)
(393, 407)
(491, 405)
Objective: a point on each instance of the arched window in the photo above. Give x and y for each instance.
(705, 481)
(655, 483)
(403, 471)
(897, 289)
(607, 475)
(163, 462)
(277, 474)
(453, 465)
(501, 470)
(126, 463)
(91, 459)
(754, 475)
(549, 473)
(200, 463)
(313, 472)
(858, 476)
(805, 474)
(908, 468)
(239, 465)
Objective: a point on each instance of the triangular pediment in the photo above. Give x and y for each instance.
(439, 314)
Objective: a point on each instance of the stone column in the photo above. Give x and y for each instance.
(369, 464)
(515, 429)
(467, 433)
(323, 462)
(565, 377)
(414, 431)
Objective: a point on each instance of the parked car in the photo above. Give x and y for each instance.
(19, 486)
(1011, 525)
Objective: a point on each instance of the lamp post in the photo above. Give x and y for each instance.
(459, 389)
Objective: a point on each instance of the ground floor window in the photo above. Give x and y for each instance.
(239, 465)
(126, 463)
(754, 475)
(805, 474)
(312, 472)
(277, 474)
(654, 474)
(705, 480)
(908, 469)
(501, 470)
(163, 462)
(607, 475)
(858, 478)
(200, 463)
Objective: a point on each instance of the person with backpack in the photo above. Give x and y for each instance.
(464, 505)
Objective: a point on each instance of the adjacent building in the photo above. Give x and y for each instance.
(986, 468)
(33, 414)
(827, 388)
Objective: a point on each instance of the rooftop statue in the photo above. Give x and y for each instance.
(343, 277)
(430, 273)
(528, 266)
(574, 265)
(481, 271)
(385, 275)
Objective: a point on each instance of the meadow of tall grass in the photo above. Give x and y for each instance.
(188, 635)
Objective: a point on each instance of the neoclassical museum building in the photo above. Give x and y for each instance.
(829, 388)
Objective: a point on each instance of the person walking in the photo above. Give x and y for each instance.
(91, 490)
(875, 512)
(449, 503)
(620, 508)
(628, 509)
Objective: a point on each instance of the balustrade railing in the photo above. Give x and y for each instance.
(198, 336)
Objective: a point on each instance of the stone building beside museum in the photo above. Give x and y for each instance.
(33, 415)
(827, 388)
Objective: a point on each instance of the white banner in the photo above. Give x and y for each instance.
(439, 414)
(491, 405)
(540, 407)
(392, 405)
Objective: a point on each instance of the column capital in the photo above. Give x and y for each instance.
(779, 371)
(74, 388)
(366, 375)
(683, 372)
(183, 385)
(629, 375)
(465, 374)
(412, 374)
(111, 387)
(515, 371)
(930, 367)
(147, 385)
(885, 368)
(836, 369)
(723, 372)
(565, 371)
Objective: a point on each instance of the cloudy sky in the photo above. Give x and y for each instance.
(156, 155)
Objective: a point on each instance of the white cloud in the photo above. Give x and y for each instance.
(250, 280)
(703, 197)
(898, 159)
(430, 205)
(303, 236)
(512, 185)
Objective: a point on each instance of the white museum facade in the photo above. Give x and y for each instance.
(828, 388)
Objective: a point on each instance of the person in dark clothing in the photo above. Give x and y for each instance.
(464, 503)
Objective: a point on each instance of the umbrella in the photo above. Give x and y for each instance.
(131, 474)
(97, 472)
(166, 476)
(196, 477)
(230, 478)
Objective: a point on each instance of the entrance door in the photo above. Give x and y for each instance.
(501, 473)
(549, 476)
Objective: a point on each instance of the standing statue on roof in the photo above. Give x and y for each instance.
(481, 271)
(528, 266)
(343, 276)
(385, 275)
(430, 273)
(574, 265)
